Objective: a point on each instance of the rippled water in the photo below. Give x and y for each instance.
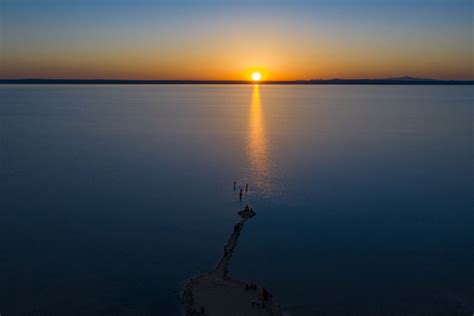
(113, 196)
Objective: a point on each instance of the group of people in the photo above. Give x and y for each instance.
(247, 208)
(250, 286)
(266, 297)
(241, 190)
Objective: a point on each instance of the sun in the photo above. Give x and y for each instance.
(256, 76)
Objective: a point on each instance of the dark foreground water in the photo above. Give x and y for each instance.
(112, 196)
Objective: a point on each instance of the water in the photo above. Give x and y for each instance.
(113, 196)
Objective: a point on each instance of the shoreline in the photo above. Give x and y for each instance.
(238, 297)
(216, 293)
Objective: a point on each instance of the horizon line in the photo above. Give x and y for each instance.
(386, 81)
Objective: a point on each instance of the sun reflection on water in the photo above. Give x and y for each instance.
(257, 146)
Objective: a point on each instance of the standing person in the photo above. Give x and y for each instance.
(234, 185)
(246, 187)
(240, 195)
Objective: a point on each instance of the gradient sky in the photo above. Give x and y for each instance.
(139, 39)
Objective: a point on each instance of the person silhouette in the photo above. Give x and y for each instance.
(234, 185)
(240, 194)
(246, 188)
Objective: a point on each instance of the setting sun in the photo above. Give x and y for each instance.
(256, 76)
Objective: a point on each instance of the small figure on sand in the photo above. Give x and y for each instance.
(240, 195)
(265, 294)
(246, 187)
(234, 184)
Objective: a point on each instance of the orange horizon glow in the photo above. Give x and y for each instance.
(302, 42)
(115, 66)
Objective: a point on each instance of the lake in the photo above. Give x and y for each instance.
(112, 196)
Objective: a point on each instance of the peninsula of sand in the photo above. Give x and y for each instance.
(215, 293)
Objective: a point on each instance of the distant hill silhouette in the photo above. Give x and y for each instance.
(405, 80)
(408, 78)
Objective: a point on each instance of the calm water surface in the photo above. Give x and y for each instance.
(112, 196)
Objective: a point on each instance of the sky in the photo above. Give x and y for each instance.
(226, 40)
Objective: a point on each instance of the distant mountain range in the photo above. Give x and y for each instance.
(409, 78)
(384, 81)
(405, 80)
